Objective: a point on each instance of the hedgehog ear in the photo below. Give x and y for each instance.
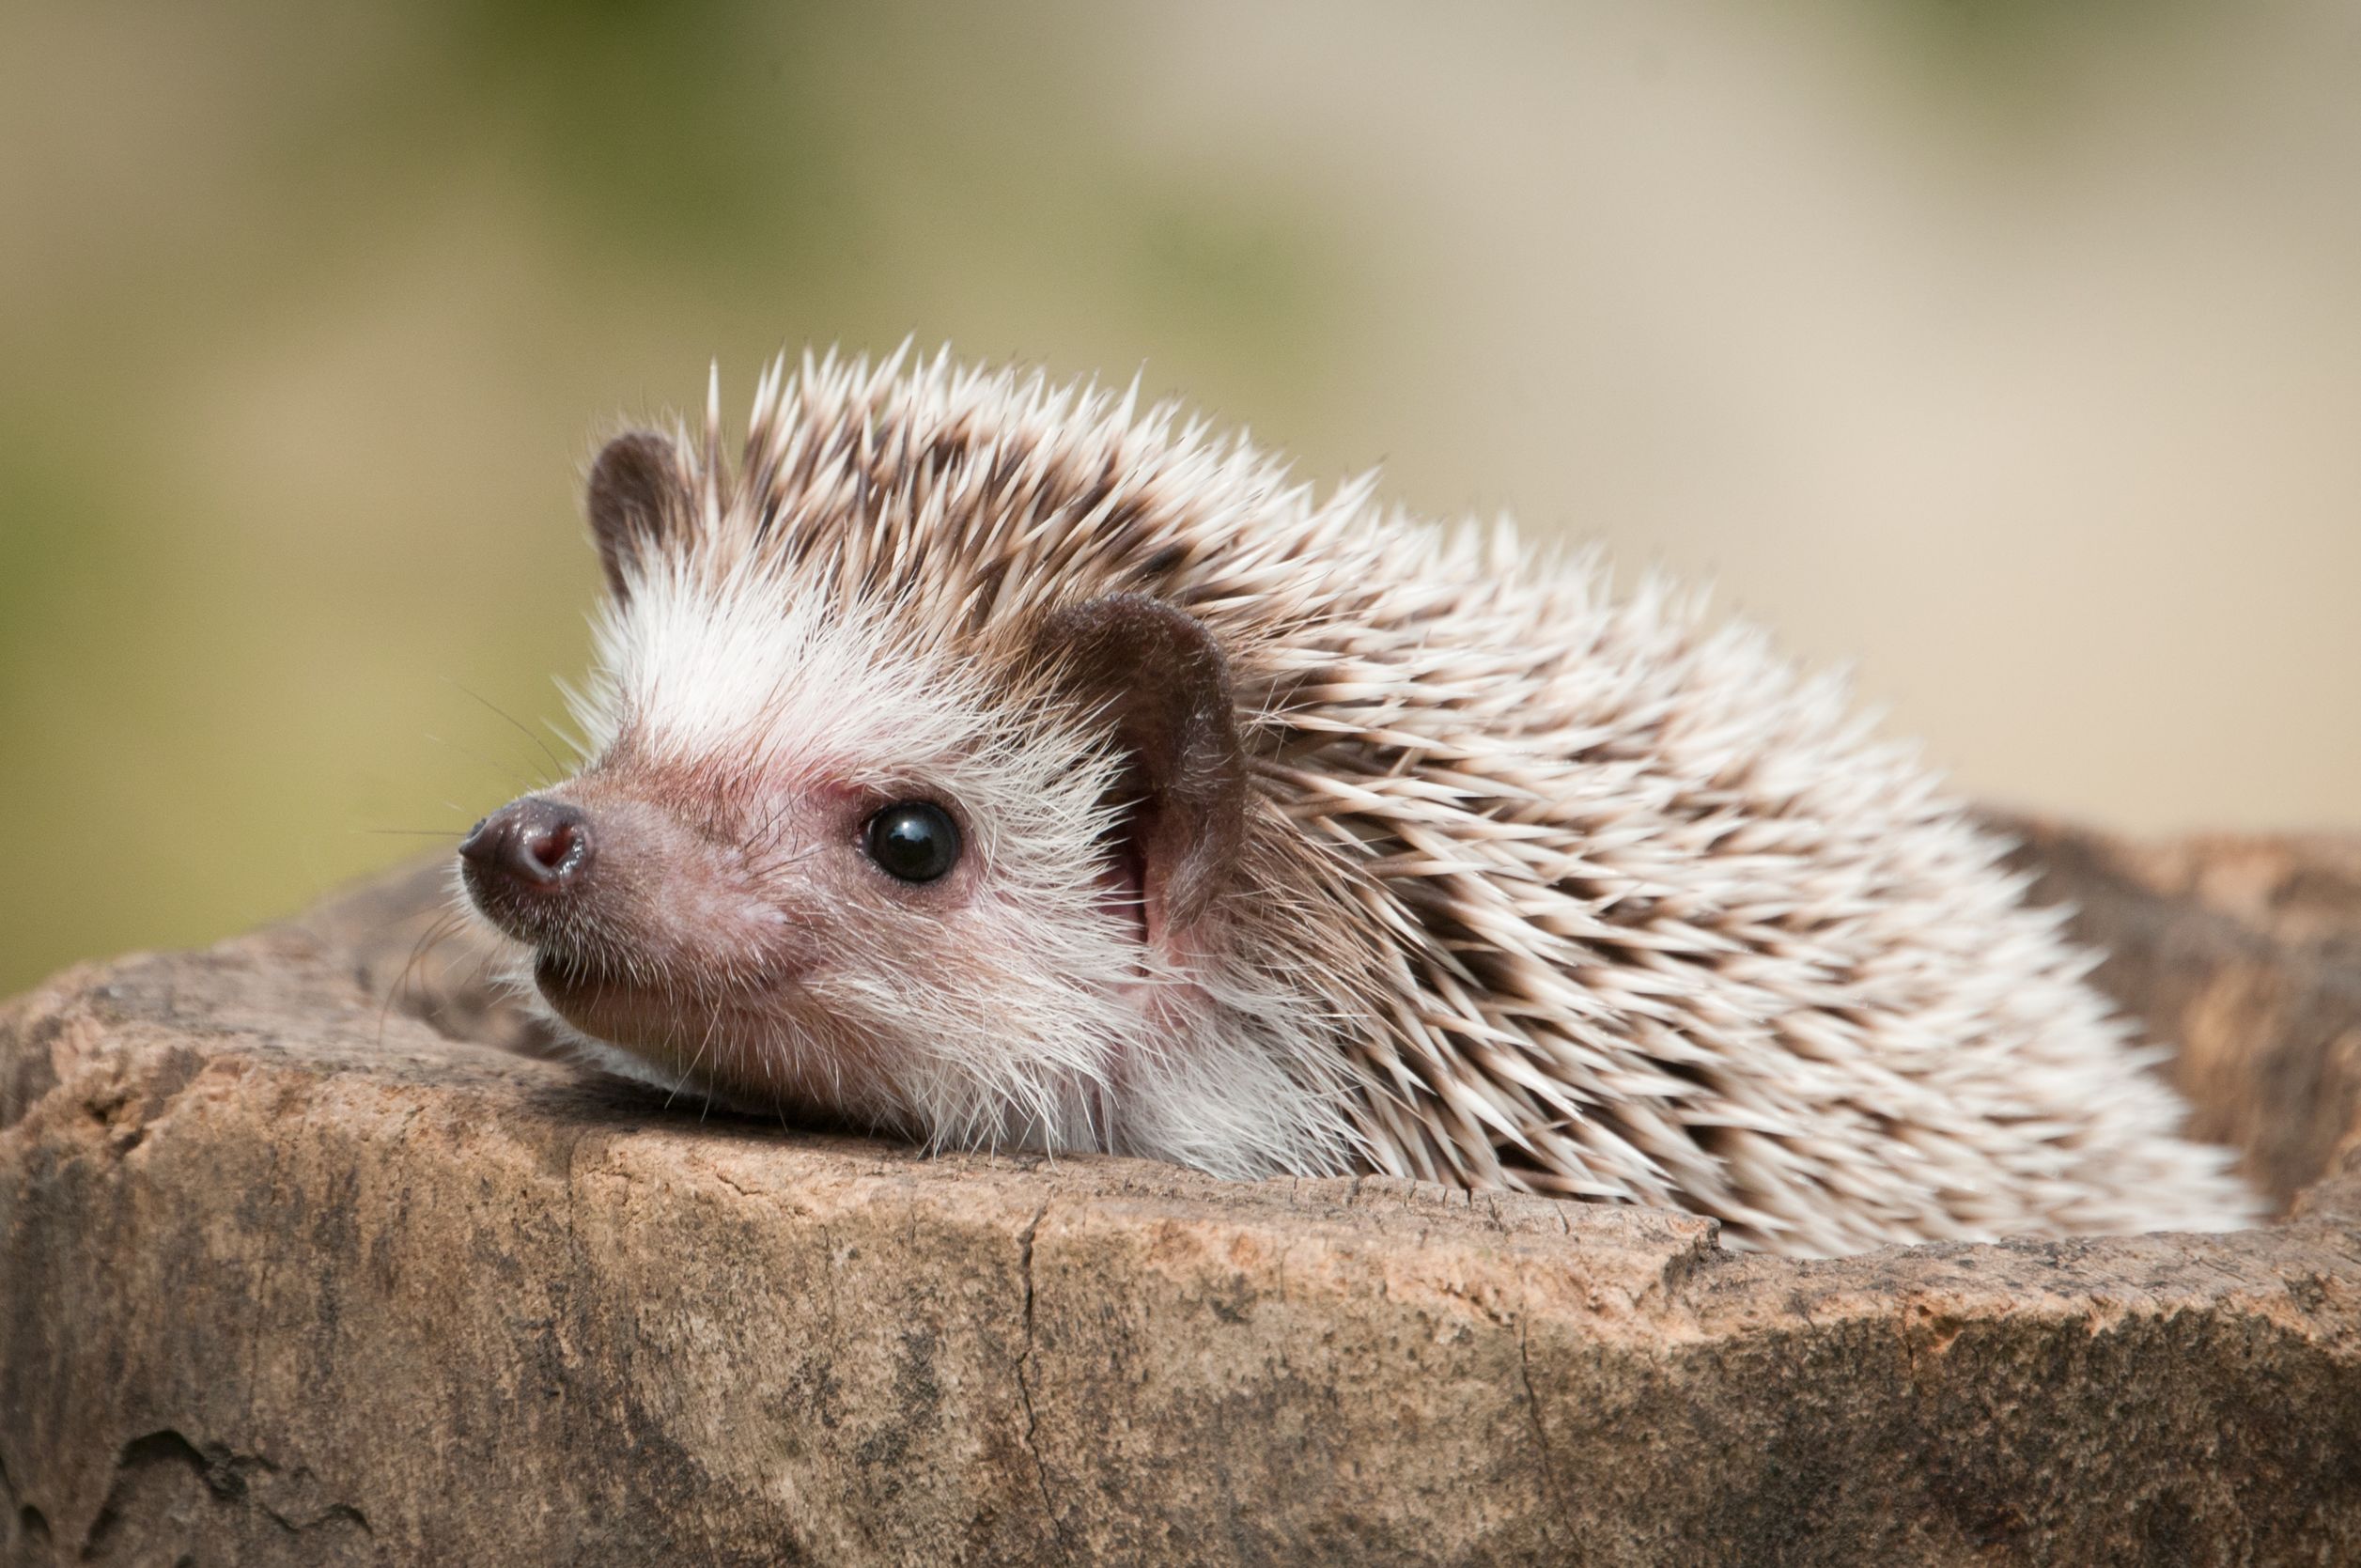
(639, 497)
(1157, 676)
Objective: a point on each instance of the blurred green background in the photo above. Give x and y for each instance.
(2012, 351)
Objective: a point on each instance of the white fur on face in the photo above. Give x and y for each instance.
(736, 665)
(1025, 1014)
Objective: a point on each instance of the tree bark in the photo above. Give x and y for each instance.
(308, 1265)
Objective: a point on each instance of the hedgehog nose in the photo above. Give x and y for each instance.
(531, 845)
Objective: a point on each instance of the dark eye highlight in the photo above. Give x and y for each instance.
(913, 839)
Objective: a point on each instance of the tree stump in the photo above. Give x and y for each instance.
(303, 1268)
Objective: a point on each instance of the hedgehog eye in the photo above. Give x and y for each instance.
(913, 839)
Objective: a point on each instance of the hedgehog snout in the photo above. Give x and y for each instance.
(526, 860)
(611, 884)
(536, 867)
(532, 842)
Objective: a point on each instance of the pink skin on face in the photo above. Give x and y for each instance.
(696, 938)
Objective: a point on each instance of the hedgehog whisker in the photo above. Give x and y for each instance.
(514, 722)
(524, 784)
(444, 928)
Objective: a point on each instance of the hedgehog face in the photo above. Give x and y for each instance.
(806, 870)
(820, 863)
(828, 938)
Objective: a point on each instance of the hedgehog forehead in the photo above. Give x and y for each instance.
(776, 680)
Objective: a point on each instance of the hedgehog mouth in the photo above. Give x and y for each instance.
(636, 1010)
(723, 1041)
(581, 992)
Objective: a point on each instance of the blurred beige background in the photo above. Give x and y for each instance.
(2010, 351)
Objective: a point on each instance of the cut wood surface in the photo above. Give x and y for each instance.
(303, 1268)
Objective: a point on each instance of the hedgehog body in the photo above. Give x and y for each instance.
(1283, 836)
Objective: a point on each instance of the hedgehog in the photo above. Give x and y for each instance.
(986, 761)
